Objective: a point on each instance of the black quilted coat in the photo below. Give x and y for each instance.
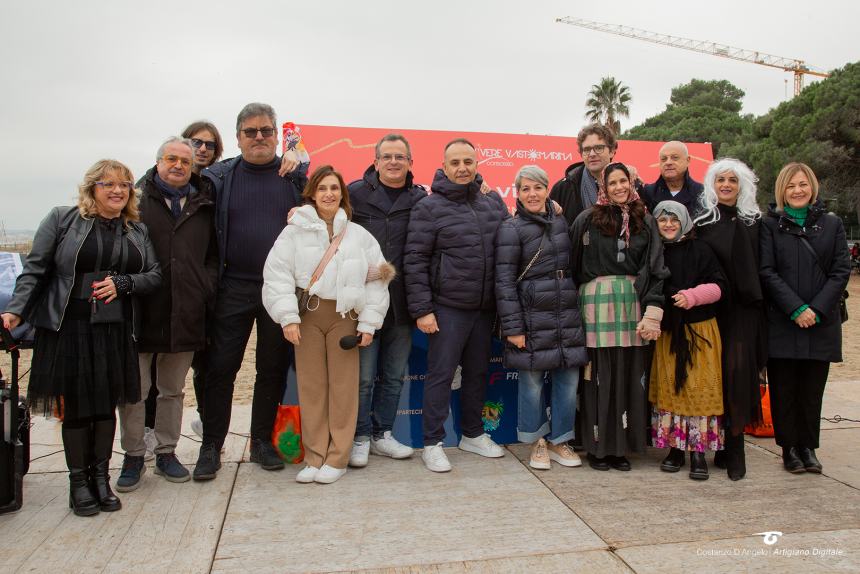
(449, 256)
(543, 305)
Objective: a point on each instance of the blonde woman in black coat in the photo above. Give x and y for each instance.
(804, 268)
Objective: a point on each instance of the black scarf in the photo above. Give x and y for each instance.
(174, 194)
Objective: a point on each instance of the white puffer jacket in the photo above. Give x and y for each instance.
(298, 251)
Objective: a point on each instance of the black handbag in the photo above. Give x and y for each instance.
(113, 312)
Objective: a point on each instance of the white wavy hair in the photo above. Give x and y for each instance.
(748, 209)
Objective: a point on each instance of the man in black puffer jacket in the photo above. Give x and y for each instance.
(450, 272)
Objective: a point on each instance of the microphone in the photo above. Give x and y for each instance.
(349, 342)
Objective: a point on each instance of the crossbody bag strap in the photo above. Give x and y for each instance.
(329, 253)
(813, 251)
(535, 258)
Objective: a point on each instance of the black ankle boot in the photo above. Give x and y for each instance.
(76, 444)
(698, 466)
(810, 461)
(791, 461)
(720, 458)
(103, 433)
(736, 465)
(673, 461)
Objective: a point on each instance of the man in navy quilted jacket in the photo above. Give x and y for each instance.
(449, 271)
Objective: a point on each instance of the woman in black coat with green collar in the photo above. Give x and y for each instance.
(804, 268)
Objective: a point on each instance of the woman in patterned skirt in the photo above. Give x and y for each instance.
(686, 375)
(617, 260)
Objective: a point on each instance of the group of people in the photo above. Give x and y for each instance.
(653, 310)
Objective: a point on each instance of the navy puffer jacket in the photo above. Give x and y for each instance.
(450, 248)
(543, 305)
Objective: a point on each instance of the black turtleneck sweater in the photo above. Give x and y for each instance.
(259, 203)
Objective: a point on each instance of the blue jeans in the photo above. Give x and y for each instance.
(532, 420)
(377, 403)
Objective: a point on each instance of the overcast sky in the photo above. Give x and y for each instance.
(90, 79)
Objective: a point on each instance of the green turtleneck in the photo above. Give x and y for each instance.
(798, 215)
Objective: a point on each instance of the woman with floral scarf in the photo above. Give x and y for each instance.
(617, 260)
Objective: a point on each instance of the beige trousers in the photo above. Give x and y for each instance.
(171, 369)
(327, 378)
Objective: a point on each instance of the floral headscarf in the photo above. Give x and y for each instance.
(603, 198)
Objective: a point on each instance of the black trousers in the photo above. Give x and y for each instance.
(465, 339)
(796, 392)
(238, 305)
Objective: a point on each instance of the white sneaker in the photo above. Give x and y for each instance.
(328, 474)
(150, 441)
(358, 456)
(389, 446)
(307, 474)
(482, 445)
(435, 458)
(197, 427)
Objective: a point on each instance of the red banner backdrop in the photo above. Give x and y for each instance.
(351, 151)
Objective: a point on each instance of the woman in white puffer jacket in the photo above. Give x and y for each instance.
(350, 298)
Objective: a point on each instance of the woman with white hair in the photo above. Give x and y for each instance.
(729, 223)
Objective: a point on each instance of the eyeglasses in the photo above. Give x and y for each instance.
(112, 185)
(388, 158)
(200, 143)
(668, 219)
(622, 245)
(252, 132)
(176, 159)
(598, 149)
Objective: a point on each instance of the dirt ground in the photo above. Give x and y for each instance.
(848, 370)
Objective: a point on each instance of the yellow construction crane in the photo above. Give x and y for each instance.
(798, 67)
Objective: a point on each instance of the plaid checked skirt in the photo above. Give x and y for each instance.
(610, 312)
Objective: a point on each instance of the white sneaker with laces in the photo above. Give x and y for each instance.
(307, 474)
(197, 427)
(150, 441)
(389, 446)
(435, 458)
(358, 455)
(328, 474)
(482, 445)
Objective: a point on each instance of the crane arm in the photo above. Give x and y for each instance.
(713, 48)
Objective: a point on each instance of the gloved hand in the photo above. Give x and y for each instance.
(649, 327)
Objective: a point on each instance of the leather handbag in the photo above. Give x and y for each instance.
(112, 312)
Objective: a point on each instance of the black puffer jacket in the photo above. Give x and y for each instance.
(174, 315)
(388, 223)
(543, 305)
(450, 247)
(792, 278)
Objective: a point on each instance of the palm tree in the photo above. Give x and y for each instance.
(607, 101)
